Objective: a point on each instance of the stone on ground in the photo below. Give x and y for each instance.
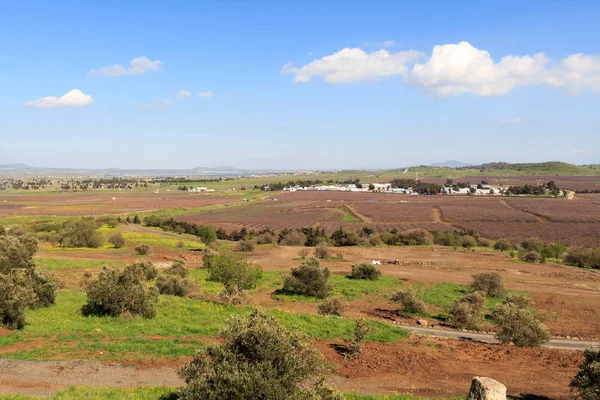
(483, 388)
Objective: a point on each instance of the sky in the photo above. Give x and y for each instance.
(298, 85)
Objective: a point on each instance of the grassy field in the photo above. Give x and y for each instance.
(57, 264)
(152, 239)
(158, 393)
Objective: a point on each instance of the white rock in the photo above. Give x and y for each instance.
(483, 388)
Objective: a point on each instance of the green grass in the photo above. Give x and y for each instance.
(446, 294)
(350, 218)
(176, 331)
(161, 393)
(167, 242)
(59, 264)
(351, 289)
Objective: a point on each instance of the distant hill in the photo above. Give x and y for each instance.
(15, 166)
(451, 164)
(221, 168)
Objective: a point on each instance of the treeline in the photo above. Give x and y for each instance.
(535, 190)
(417, 186)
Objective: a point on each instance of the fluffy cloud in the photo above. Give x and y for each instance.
(206, 95)
(454, 69)
(353, 65)
(137, 66)
(512, 121)
(184, 94)
(73, 98)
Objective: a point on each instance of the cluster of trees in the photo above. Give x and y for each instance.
(19, 184)
(22, 285)
(206, 233)
(535, 190)
(417, 186)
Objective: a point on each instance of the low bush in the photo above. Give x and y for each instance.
(587, 381)
(178, 268)
(309, 279)
(533, 244)
(489, 283)
(483, 242)
(467, 241)
(115, 292)
(445, 239)
(361, 330)
(467, 313)
(303, 253)
(503, 245)
(142, 249)
(175, 285)
(322, 251)
(81, 232)
(294, 238)
(374, 241)
(257, 359)
(117, 240)
(333, 306)
(206, 233)
(553, 250)
(415, 237)
(409, 302)
(15, 296)
(531, 256)
(265, 238)
(518, 324)
(246, 245)
(233, 271)
(365, 271)
(582, 257)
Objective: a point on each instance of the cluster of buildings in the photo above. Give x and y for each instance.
(478, 189)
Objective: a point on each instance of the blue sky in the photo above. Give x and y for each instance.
(271, 86)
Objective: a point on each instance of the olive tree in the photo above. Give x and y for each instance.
(587, 380)
(233, 271)
(518, 324)
(309, 279)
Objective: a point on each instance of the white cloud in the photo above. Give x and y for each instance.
(353, 65)
(158, 103)
(454, 69)
(137, 66)
(206, 95)
(387, 43)
(512, 121)
(73, 98)
(184, 94)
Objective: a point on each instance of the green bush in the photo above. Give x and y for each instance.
(117, 240)
(366, 271)
(531, 256)
(257, 359)
(445, 239)
(333, 306)
(294, 238)
(322, 251)
(142, 249)
(582, 257)
(415, 237)
(309, 279)
(15, 296)
(533, 244)
(467, 313)
(553, 250)
(177, 268)
(175, 285)
(265, 238)
(115, 292)
(246, 245)
(483, 242)
(81, 232)
(587, 380)
(233, 271)
(207, 233)
(374, 241)
(503, 245)
(489, 283)
(518, 324)
(409, 302)
(361, 330)
(467, 241)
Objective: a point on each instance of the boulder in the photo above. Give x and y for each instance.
(483, 388)
(423, 322)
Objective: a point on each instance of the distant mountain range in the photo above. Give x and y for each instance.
(451, 164)
(15, 166)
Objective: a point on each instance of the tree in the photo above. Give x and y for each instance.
(371, 187)
(115, 292)
(503, 245)
(467, 313)
(207, 233)
(365, 271)
(81, 232)
(533, 244)
(136, 220)
(467, 241)
(309, 279)
(518, 324)
(258, 359)
(294, 238)
(15, 296)
(587, 380)
(361, 330)
(409, 302)
(233, 271)
(489, 283)
(142, 249)
(117, 240)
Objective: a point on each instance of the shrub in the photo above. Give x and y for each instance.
(294, 238)
(343, 238)
(117, 240)
(309, 279)
(175, 285)
(178, 268)
(503, 245)
(582, 257)
(322, 251)
(389, 238)
(303, 253)
(180, 244)
(587, 380)
(16, 253)
(361, 330)
(2, 230)
(374, 241)
(142, 249)
(415, 237)
(489, 283)
(409, 302)
(467, 313)
(483, 242)
(15, 296)
(115, 292)
(333, 306)
(533, 244)
(518, 324)
(530, 256)
(80, 233)
(365, 271)
(257, 359)
(265, 238)
(207, 233)
(445, 238)
(44, 286)
(467, 241)
(553, 250)
(245, 245)
(233, 271)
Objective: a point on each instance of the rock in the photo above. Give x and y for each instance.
(423, 322)
(483, 388)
